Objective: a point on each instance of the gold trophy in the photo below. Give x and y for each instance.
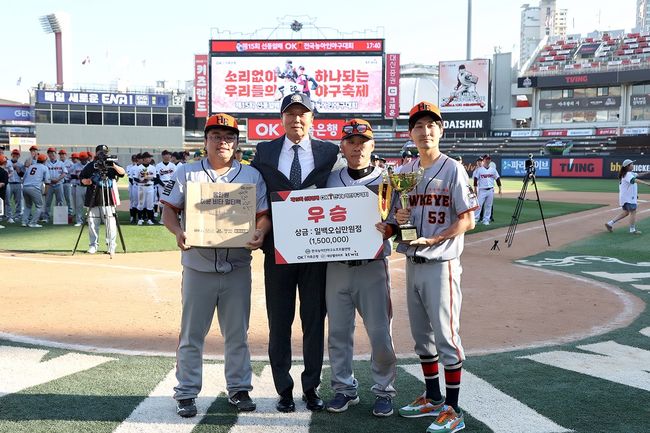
(403, 183)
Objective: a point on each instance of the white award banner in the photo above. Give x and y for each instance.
(326, 225)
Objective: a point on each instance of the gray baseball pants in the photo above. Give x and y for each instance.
(32, 196)
(15, 191)
(230, 294)
(366, 289)
(79, 194)
(52, 192)
(433, 298)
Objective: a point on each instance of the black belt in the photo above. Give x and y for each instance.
(417, 260)
(487, 188)
(145, 184)
(14, 183)
(355, 263)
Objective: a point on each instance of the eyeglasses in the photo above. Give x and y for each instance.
(228, 138)
(357, 127)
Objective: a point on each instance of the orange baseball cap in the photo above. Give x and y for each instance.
(62, 152)
(41, 157)
(221, 120)
(15, 152)
(51, 149)
(33, 148)
(421, 109)
(74, 155)
(3, 159)
(357, 127)
(83, 155)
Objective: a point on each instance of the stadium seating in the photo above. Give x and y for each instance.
(604, 52)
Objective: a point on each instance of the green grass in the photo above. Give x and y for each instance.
(577, 185)
(504, 209)
(62, 238)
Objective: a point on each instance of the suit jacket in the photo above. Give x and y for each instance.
(266, 162)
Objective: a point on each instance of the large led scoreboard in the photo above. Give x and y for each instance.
(344, 78)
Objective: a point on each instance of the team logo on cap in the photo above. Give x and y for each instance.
(296, 98)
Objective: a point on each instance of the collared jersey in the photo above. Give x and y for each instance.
(341, 177)
(486, 177)
(220, 260)
(439, 199)
(165, 171)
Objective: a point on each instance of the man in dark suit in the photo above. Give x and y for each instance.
(292, 162)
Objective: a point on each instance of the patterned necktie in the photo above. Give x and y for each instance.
(295, 175)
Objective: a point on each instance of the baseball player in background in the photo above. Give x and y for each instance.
(164, 173)
(67, 186)
(58, 172)
(442, 208)
(132, 176)
(627, 196)
(146, 174)
(485, 177)
(15, 188)
(35, 176)
(78, 189)
(215, 278)
(360, 285)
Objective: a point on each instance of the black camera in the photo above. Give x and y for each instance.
(530, 165)
(103, 160)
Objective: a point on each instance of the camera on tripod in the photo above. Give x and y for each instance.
(102, 159)
(530, 165)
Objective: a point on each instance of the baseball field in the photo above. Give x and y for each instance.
(557, 338)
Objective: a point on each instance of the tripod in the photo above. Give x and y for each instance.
(104, 209)
(530, 176)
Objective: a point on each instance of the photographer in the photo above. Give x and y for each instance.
(99, 177)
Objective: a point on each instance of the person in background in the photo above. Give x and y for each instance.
(627, 196)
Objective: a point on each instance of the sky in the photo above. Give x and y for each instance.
(140, 42)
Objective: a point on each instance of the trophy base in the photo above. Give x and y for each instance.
(407, 233)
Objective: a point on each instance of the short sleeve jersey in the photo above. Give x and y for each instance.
(439, 199)
(165, 171)
(68, 166)
(76, 169)
(628, 189)
(36, 175)
(145, 174)
(16, 167)
(486, 177)
(340, 177)
(221, 260)
(57, 168)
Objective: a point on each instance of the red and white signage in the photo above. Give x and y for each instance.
(297, 46)
(255, 84)
(577, 167)
(554, 132)
(391, 107)
(270, 129)
(201, 93)
(606, 131)
(326, 225)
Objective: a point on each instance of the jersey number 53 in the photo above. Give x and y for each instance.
(436, 217)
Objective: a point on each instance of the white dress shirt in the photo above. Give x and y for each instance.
(305, 156)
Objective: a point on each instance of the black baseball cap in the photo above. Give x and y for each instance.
(146, 155)
(296, 98)
(101, 148)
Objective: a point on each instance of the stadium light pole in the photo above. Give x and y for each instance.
(52, 24)
(469, 30)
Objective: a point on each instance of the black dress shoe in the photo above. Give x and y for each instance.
(313, 400)
(286, 404)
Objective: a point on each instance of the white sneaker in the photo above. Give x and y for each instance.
(486, 223)
(140, 222)
(92, 249)
(155, 214)
(10, 221)
(151, 223)
(23, 225)
(77, 224)
(34, 225)
(2, 227)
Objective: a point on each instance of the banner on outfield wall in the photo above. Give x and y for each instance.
(577, 167)
(201, 91)
(613, 166)
(517, 167)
